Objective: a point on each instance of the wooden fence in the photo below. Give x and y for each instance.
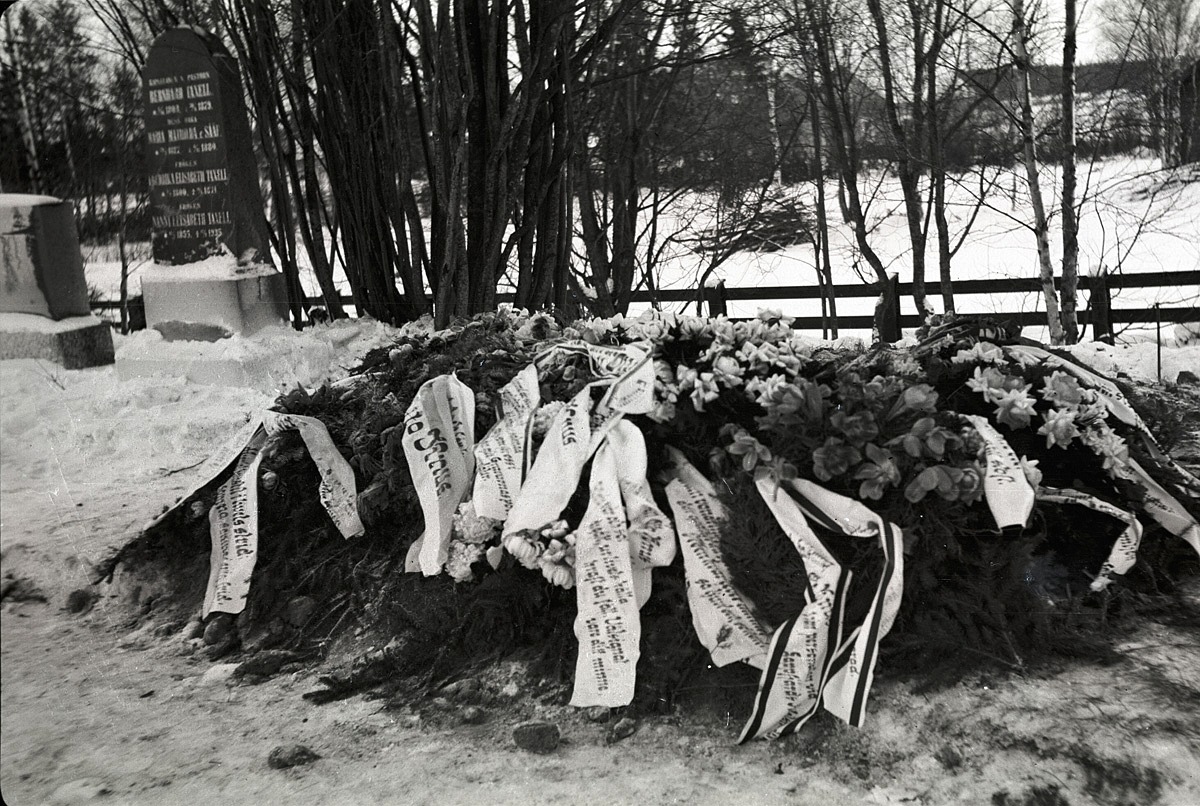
(1100, 313)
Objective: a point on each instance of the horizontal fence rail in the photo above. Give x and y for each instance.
(1008, 285)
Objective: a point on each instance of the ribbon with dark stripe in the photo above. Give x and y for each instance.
(839, 649)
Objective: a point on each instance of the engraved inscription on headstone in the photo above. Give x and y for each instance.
(203, 179)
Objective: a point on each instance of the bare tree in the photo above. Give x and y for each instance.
(908, 135)
(1070, 217)
(1162, 37)
(825, 31)
(1022, 64)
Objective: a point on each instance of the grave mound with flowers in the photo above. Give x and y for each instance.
(631, 500)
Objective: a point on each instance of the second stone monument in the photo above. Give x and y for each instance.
(211, 275)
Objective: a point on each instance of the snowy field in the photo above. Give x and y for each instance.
(1134, 219)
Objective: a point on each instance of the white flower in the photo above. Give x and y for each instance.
(723, 330)
(758, 356)
(558, 560)
(1014, 407)
(544, 417)
(663, 411)
(787, 359)
(1022, 357)
(705, 391)
(728, 371)
(647, 326)
(598, 331)
(752, 330)
(538, 327)
(691, 327)
(471, 528)
(559, 575)
(987, 381)
(523, 548)
(663, 371)
(764, 391)
(1059, 428)
(983, 352)
(1030, 468)
(769, 314)
(777, 333)
(799, 345)
(1106, 444)
(685, 377)
(460, 559)
(560, 550)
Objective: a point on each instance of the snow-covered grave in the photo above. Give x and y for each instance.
(504, 496)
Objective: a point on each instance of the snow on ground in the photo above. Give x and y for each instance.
(86, 458)
(274, 359)
(1134, 219)
(1140, 361)
(67, 437)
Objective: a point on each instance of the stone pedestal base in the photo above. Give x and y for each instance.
(75, 343)
(187, 305)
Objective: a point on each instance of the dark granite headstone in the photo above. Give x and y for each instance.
(203, 179)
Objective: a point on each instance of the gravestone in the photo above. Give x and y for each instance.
(211, 275)
(44, 307)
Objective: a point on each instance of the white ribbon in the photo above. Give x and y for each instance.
(1008, 493)
(651, 536)
(233, 529)
(607, 625)
(439, 434)
(233, 519)
(723, 618)
(1123, 554)
(502, 456)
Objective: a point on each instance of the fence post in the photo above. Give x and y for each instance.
(887, 310)
(1100, 303)
(714, 295)
(1158, 335)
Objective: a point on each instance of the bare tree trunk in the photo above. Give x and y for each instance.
(1029, 150)
(1070, 259)
(773, 117)
(25, 121)
(841, 125)
(937, 163)
(124, 289)
(829, 326)
(905, 158)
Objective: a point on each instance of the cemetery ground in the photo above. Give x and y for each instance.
(104, 703)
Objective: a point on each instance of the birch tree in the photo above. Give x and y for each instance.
(1070, 217)
(1022, 64)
